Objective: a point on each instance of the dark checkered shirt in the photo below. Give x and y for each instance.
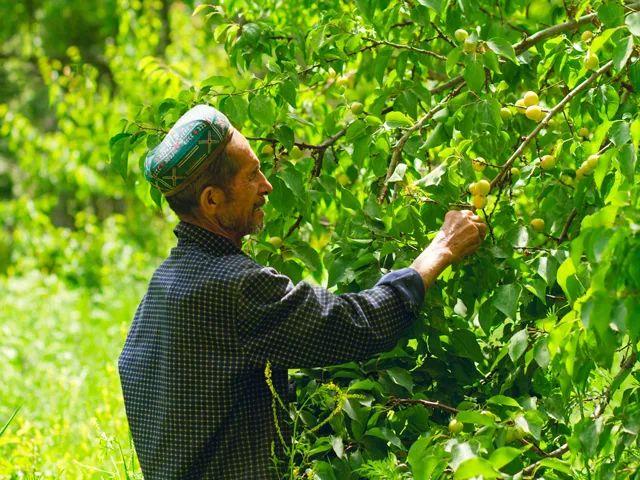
(192, 367)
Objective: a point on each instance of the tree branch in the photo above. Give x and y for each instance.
(425, 403)
(544, 122)
(397, 150)
(527, 43)
(406, 47)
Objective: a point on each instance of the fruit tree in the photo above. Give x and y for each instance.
(523, 361)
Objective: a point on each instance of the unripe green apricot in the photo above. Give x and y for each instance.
(275, 241)
(356, 108)
(461, 35)
(591, 61)
(505, 113)
(455, 426)
(372, 121)
(469, 46)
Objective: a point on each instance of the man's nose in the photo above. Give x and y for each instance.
(267, 187)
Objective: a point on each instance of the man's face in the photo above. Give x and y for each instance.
(241, 213)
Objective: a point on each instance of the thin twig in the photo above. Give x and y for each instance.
(426, 403)
(397, 150)
(406, 47)
(567, 225)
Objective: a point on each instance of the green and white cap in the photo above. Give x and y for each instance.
(198, 137)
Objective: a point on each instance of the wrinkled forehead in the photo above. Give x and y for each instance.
(240, 150)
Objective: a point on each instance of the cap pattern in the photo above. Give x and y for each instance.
(199, 134)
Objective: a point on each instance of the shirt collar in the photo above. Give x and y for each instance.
(209, 241)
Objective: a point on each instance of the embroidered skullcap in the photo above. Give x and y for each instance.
(195, 139)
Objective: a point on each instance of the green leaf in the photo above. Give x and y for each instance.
(504, 401)
(422, 463)
(308, 255)
(349, 200)
(119, 147)
(611, 14)
(385, 434)
(506, 299)
(8, 422)
(401, 377)
(634, 75)
(565, 270)
(476, 467)
(620, 133)
(518, 344)
(466, 345)
(541, 353)
(397, 120)
(338, 445)
(555, 464)
(627, 161)
(503, 47)
(633, 23)
(622, 52)
(217, 81)
(503, 456)
(262, 110)
(285, 136)
(476, 418)
(474, 74)
(288, 90)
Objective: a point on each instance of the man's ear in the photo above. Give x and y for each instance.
(210, 198)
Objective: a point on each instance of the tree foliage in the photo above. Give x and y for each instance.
(372, 118)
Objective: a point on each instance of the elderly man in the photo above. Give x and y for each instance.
(192, 368)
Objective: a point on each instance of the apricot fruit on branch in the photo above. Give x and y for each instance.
(547, 162)
(586, 36)
(461, 35)
(535, 113)
(455, 426)
(275, 241)
(537, 224)
(478, 164)
(483, 187)
(530, 98)
(469, 46)
(591, 61)
(479, 201)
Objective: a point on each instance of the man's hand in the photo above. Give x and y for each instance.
(460, 235)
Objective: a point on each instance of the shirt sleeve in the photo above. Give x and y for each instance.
(306, 326)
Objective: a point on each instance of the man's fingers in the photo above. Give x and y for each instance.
(477, 218)
(482, 228)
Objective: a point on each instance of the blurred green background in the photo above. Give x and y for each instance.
(78, 243)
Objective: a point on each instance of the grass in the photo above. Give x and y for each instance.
(60, 389)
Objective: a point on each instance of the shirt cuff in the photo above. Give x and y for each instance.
(409, 283)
